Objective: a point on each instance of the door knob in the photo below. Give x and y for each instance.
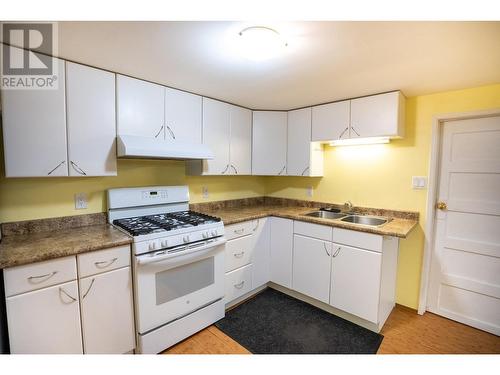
(441, 206)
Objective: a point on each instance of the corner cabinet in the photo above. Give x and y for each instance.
(269, 143)
(48, 133)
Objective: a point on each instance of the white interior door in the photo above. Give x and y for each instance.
(465, 267)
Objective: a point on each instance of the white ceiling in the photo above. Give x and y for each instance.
(324, 61)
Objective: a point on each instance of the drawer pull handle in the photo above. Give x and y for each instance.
(337, 252)
(88, 290)
(239, 285)
(106, 263)
(62, 291)
(239, 255)
(326, 249)
(36, 279)
(239, 231)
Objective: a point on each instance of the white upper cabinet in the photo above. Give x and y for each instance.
(34, 131)
(140, 107)
(269, 142)
(182, 116)
(241, 141)
(378, 115)
(216, 135)
(90, 95)
(330, 121)
(304, 158)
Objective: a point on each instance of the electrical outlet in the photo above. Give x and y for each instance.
(204, 192)
(419, 182)
(81, 201)
(309, 191)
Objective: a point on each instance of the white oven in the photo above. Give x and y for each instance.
(172, 283)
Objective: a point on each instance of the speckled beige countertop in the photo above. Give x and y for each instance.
(35, 246)
(397, 227)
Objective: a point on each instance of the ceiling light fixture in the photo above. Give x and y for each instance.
(261, 42)
(360, 141)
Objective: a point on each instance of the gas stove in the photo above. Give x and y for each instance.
(159, 218)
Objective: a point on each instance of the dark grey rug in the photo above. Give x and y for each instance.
(274, 323)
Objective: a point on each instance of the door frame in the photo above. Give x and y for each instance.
(432, 193)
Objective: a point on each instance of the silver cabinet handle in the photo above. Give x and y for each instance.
(77, 168)
(341, 134)
(324, 245)
(57, 166)
(105, 263)
(235, 170)
(159, 131)
(337, 252)
(354, 130)
(239, 285)
(88, 290)
(225, 170)
(256, 226)
(239, 231)
(62, 291)
(282, 169)
(239, 255)
(304, 171)
(171, 132)
(34, 279)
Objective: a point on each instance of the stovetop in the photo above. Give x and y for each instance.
(141, 225)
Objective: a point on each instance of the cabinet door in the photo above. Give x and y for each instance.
(269, 143)
(311, 267)
(90, 106)
(355, 281)
(281, 251)
(46, 321)
(241, 141)
(216, 135)
(140, 107)
(107, 312)
(330, 121)
(34, 131)
(261, 252)
(378, 115)
(182, 116)
(299, 142)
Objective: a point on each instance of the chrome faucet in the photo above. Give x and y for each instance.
(348, 206)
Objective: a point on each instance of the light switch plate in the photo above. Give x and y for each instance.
(419, 182)
(204, 192)
(81, 201)
(309, 191)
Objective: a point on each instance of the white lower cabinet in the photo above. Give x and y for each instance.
(261, 252)
(45, 321)
(281, 251)
(107, 312)
(238, 283)
(311, 267)
(355, 281)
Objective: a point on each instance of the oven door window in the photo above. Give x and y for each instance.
(181, 281)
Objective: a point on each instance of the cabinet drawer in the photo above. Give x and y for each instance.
(104, 260)
(240, 229)
(34, 276)
(238, 252)
(358, 239)
(322, 232)
(238, 283)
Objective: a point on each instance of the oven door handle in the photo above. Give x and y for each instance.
(186, 255)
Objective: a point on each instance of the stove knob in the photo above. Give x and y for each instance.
(214, 233)
(152, 246)
(164, 243)
(185, 239)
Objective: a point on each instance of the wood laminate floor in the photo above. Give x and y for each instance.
(405, 332)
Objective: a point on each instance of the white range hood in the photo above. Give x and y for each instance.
(131, 146)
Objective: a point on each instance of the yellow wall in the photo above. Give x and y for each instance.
(374, 176)
(380, 175)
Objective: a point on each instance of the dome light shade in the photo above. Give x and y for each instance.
(261, 43)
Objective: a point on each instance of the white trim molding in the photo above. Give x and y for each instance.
(432, 191)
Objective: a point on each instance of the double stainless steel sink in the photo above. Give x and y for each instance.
(347, 217)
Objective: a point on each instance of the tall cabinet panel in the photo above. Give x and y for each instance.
(331, 121)
(281, 251)
(90, 95)
(182, 116)
(140, 107)
(34, 130)
(269, 140)
(241, 140)
(216, 135)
